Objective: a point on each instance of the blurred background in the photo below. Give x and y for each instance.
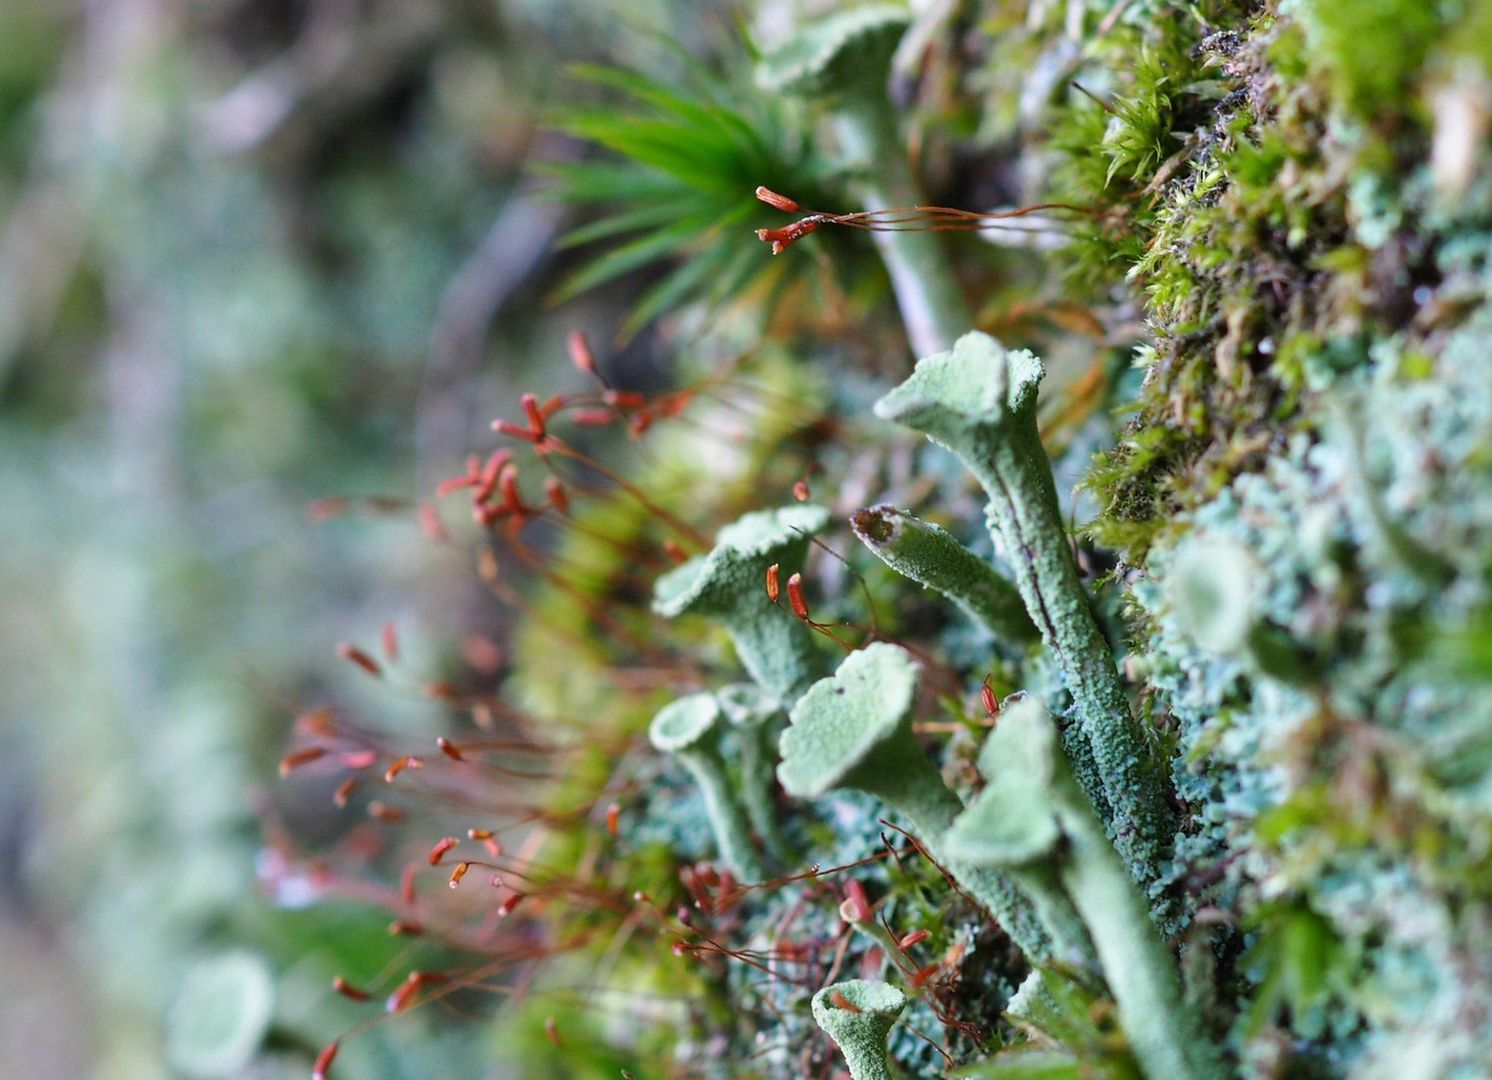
(253, 254)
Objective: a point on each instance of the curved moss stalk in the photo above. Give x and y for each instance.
(753, 716)
(1033, 817)
(844, 63)
(979, 401)
(878, 936)
(689, 730)
(931, 557)
(728, 586)
(853, 730)
(858, 1015)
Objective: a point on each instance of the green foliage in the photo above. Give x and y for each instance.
(1373, 52)
(1298, 962)
(674, 187)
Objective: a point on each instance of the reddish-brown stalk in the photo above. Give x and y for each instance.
(988, 698)
(894, 219)
(296, 758)
(356, 656)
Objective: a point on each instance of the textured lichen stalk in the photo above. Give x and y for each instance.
(689, 728)
(756, 721)
(928, 555)
(853, 730)
(1033, 817)
(844, 62)
(932, 305)
(979, 401)
(858, 1015)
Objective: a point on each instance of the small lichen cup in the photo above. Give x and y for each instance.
(843, 64)
(1034, 818)
(754, 716)
(728, 586)
(927, 554)
(860, 1031)
(853, 730)
(978, 400)
(689, 729)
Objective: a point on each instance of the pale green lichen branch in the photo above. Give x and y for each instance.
(754, 717)
(930, 556)
(853, 730)
(979, 401)
(1034, 816)
(689, 729)
(858, 1015)
(843, 62)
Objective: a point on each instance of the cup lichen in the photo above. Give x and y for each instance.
(927, 554)
(728, 586)
(853, 730)
(1033, 817)
(843, 62)
(689, 729)
(858, 1015)
(978, 400)
(754, 717)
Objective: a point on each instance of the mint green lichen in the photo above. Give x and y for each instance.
(979, 401)
(729, 586)
(689, 729)
(844, 62)
(860, 1031)
(930, 556)
(1034, 816)
(1212, 592)
(853, 729)
(753, 715)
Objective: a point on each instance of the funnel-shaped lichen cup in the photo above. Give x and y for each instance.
(858, 1015)
(689, 729)
(853, 730)
(728, 586)
(1034, 818)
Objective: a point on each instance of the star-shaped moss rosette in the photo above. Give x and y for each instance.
(979, 401)
(729, 586)
(858, 1015)
(853, 730)
(843, 63)
(754, 716)
(930, 556)
(689, 729)
(1034, 819)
